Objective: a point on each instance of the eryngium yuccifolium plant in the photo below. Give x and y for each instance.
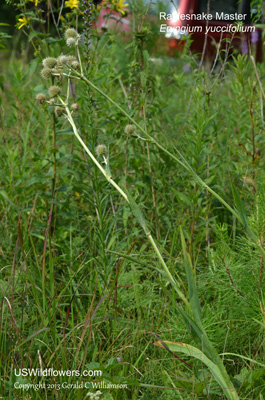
(71, 59)
(71, 33)
(71, 42)
(54, 90)
(62, 61)
(46, 73)
(101, 150)
(41, 98)
(59, 111)
(72, 37)
(49, 62)
(75, 65)
(129, 129)
(75, 107)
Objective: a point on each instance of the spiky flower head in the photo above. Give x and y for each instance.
(129, 129)
(72, 37)
(71, 42)
(59, 111)
(71, 33)
(75, 107)
(62, 60)
(46, 73)
(41, 98)
(71, 59)
(54, 90)
(101, 150)
(49, 62)
(75, 64)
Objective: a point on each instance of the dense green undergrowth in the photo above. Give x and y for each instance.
(81, 287)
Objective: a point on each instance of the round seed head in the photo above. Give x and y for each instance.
(46, 73)
(129, 129)
(54, 90)
(59, 111)
(75, 64)
(71, 33)
(49, 62)
(61, 61)
(75, 107)
(71, 42)
(56, 71)
(71, 59)
(52, 102)
(101, 149)
(41, 98)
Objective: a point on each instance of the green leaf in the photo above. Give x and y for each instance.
(137, 212)
(33, 34)
(68, 131)
(183, 199)
(242, 213)
(191, 351)
(244, 358)
(193, 296)
(32, 67)
(5, 196)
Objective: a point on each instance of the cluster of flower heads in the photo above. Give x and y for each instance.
(72, 37)
(55, 67)
(54, 91)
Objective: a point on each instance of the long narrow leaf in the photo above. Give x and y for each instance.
(242, 213)
(193, 296)
(191, 351)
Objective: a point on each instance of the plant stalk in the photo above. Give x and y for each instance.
(117, 187)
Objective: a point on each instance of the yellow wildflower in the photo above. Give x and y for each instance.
(120, 6)
(23, 21)
(72, 3)
(36, 2)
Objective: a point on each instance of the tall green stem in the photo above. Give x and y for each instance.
(124, 195)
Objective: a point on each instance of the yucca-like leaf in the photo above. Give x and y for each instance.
(192, 351)
(194, 324)
(137, 212)
(193, 296)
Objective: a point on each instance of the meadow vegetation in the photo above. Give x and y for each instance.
(132, 214)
